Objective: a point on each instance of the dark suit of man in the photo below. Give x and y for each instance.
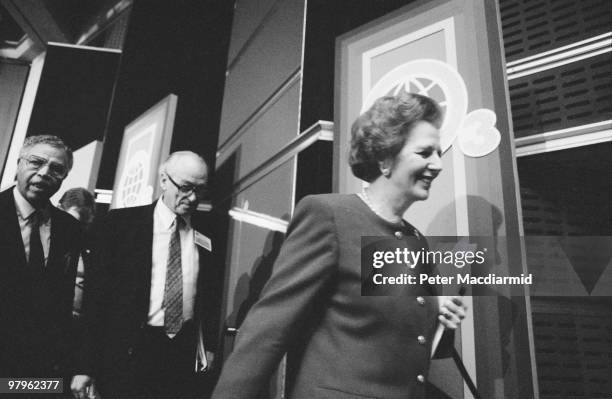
(116, 305)
(36, 311)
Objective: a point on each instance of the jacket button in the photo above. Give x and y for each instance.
(398, 234)
(420, 378)
(130, 351)
(421, 300)
(421, 339)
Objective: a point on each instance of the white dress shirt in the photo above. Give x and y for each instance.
(163, 228)
(24, 211)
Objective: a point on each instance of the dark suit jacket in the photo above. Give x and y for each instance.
(351, 346)
(35, 320)
(118, 285)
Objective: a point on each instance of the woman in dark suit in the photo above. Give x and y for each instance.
(351, 346)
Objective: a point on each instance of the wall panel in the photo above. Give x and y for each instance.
(533, 26)
(271, 58)
(249, 16)
(268, 133)
(12, 83)
(252, 249)
(272, 195)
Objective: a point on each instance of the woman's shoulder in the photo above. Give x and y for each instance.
(336, 208)
(318, 210)
(329, 200)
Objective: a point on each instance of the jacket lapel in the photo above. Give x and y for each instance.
(199, 309)
(59, 249)
(201, 287)
(10, 233)
(143, 245)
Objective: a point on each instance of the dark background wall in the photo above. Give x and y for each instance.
(180, 48)
(74, 94)
(564, 193)
(323, 26)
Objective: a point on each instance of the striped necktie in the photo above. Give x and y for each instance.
(173, 292)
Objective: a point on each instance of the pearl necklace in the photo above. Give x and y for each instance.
(364, 196)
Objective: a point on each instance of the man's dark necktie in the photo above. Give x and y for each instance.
(173, 292)
(36, 261)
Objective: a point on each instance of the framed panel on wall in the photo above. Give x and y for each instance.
(146, 143)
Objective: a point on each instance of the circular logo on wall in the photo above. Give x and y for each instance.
(441, 82)
(133, 188)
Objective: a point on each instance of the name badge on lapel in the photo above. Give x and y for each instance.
(203, 241)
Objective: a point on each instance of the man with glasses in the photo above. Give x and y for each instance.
(39, 251)
(152, 295)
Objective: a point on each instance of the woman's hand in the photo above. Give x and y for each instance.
(452, 311)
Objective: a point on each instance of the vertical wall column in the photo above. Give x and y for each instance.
(260, 117)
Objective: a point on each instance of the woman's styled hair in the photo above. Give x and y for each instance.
(381, 132)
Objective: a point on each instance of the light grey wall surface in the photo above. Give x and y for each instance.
(12, 82)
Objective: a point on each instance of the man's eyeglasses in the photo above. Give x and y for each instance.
(188, 189)
(56, 170)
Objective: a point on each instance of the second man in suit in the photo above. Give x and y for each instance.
(39, 250)
(146, 305)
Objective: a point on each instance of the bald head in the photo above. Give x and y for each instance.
(184, 159)
(182, 178)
